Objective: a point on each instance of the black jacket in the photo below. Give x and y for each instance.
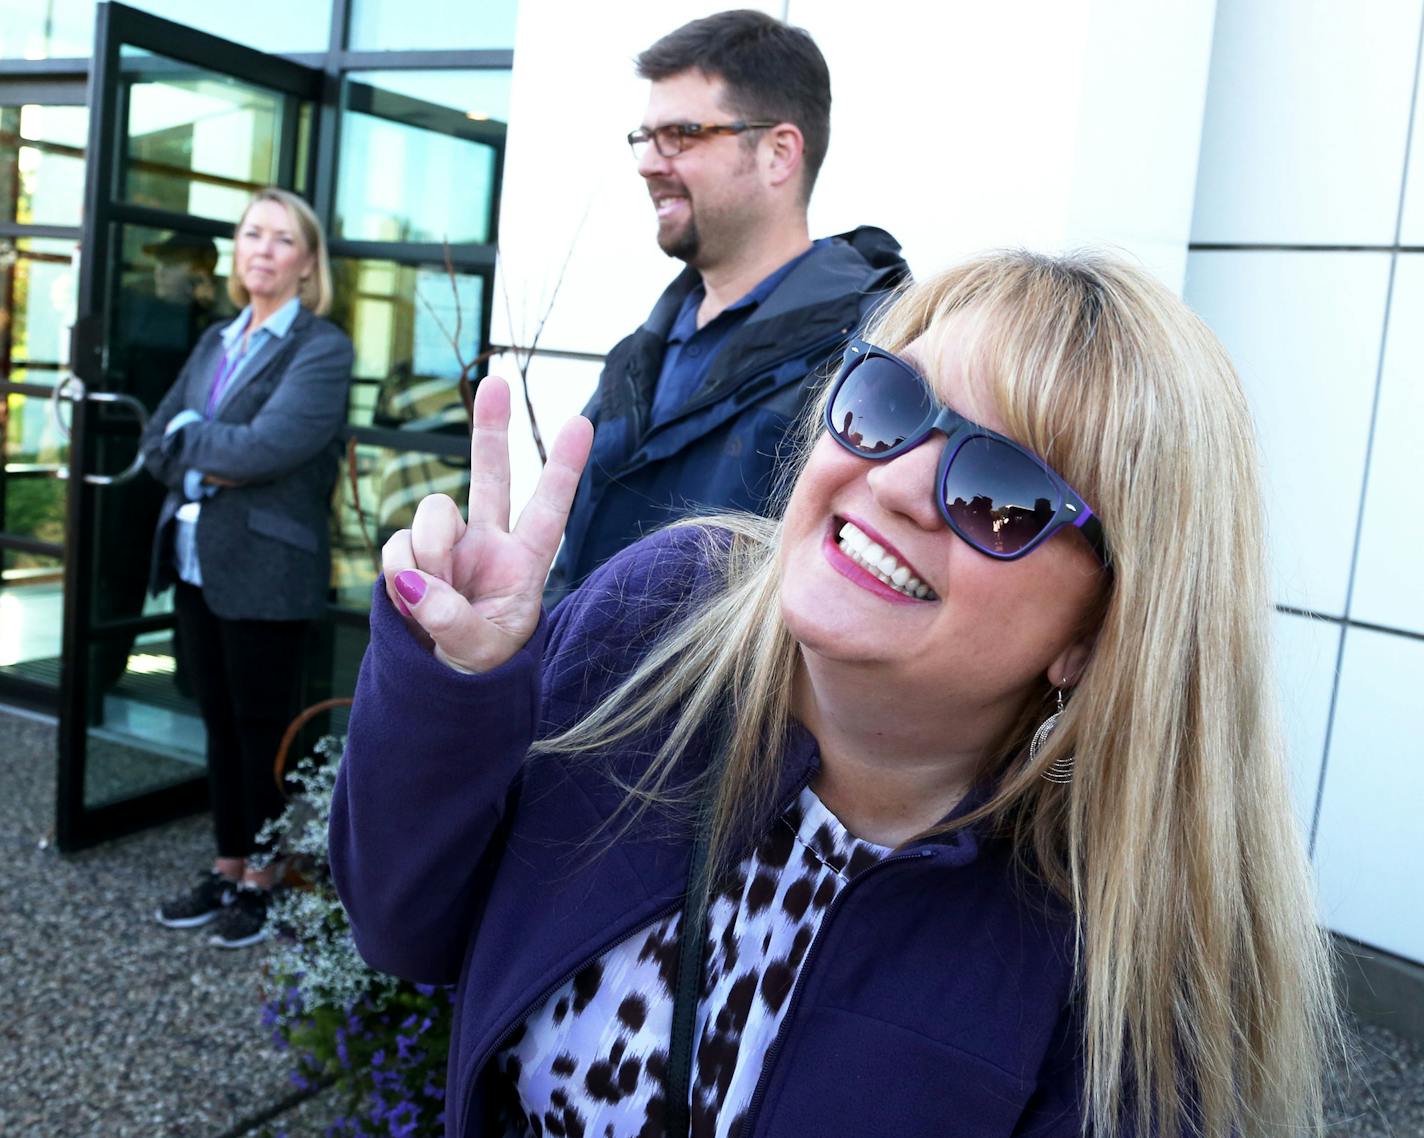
(721, 451)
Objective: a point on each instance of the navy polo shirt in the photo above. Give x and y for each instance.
(691, 350)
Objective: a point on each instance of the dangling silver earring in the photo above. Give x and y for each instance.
(1061, 769)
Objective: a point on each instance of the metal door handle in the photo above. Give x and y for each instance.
(141, 414)
(71, 387)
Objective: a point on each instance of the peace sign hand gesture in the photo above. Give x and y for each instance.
(475, 588)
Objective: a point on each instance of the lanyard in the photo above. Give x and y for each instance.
(231, 361)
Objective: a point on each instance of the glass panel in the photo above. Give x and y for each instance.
(37, 289)
(198, 142)
(418, 157)
(31, 616)
(388, 485)
(386, 25)
(32, 497)
(306, 116)
(267, 25)
(170, 287)
(145, 730)
(42, 164)
(53, 29)
(403, 320)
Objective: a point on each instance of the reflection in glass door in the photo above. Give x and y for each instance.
(185, 127)
(41, 195)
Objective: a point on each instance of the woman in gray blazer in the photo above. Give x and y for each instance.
(246, 441)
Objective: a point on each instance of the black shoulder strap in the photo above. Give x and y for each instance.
(677, 1081)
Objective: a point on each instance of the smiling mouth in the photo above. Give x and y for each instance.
(880, 563)
(664, 204)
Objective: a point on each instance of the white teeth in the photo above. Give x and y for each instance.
(853, 538)
(873, 557)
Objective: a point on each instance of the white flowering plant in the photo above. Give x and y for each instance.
(383, 1042)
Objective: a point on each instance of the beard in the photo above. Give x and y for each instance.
(684, 244)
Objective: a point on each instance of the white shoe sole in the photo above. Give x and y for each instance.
(184, 922)
(243, 942)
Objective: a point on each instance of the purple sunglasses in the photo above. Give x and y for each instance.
(1001, 498)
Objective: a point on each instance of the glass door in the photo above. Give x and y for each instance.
(43, 127)
(183, 128)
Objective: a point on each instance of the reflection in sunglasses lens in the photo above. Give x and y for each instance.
(878, 405)
(998, 497)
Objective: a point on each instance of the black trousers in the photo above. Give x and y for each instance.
(247, 676)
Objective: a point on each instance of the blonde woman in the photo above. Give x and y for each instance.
(246, 442)
(963, 775)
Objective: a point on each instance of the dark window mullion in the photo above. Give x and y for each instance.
(467, 257)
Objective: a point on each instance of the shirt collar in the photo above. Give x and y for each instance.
(278, 324)
(685, 325)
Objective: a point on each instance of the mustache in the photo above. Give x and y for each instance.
(664, 186)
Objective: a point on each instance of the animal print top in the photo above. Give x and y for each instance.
(589, 1062)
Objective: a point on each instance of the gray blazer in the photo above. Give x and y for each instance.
(264, 545)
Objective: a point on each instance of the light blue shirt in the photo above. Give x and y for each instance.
(185, 534)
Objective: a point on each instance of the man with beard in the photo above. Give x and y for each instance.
(692, 409)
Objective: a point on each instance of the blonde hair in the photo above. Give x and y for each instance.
(315, 289)
(1205, 983)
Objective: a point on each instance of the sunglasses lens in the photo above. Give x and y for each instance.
(998, 498)
(878, 405)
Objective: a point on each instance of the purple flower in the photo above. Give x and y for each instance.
(402, 1121)
(378, 1058)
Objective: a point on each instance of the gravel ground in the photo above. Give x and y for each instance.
(119, 1027)
(123, 1029)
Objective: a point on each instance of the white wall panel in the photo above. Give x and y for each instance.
(953, 125)
(1306, 121)
(1411, 230)
(1370, 846)
(963, 125)
(1135, 158)
(558, 388)
(1306, 650)
(1389, 580)
(1304, 331)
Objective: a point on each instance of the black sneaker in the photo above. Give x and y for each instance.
(201, 904)
(243, 922)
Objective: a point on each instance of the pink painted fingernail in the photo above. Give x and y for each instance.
(411, 586)
(401, 607)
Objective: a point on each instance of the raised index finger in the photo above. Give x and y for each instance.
(489, 455)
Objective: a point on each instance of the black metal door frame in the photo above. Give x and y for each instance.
(77, 824)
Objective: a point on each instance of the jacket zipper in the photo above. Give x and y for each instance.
(769, 1059)
(539, 1000)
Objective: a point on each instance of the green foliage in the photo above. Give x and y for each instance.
(382, 1041)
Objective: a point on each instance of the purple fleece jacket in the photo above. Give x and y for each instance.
(935, 1001)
